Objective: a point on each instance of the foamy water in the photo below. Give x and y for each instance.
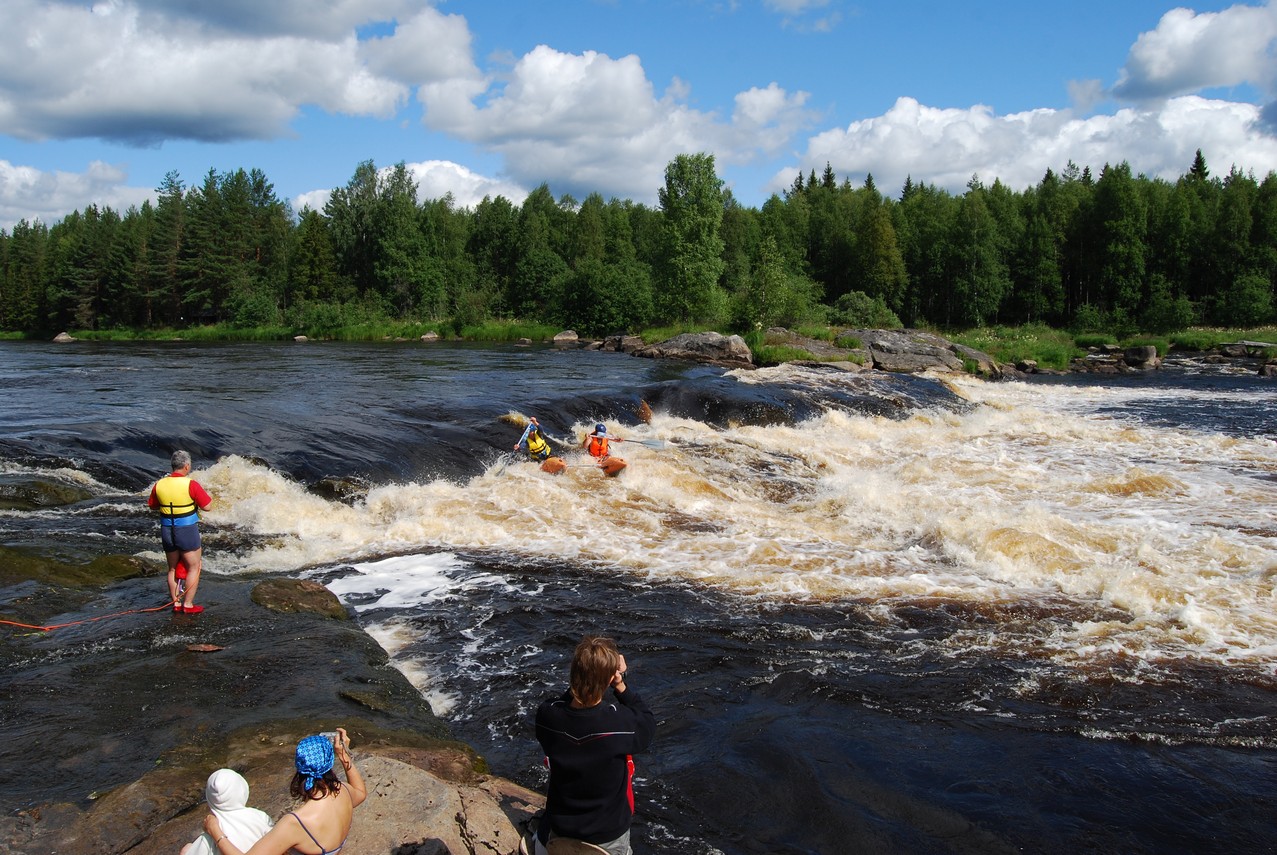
(1126, 540)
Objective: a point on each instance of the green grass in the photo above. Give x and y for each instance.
(1161, 344)
(1047, 347)
(509, 331)
(1205, 339)
(775, 354)
(819, 333)
(1085, 340)
(213, 332)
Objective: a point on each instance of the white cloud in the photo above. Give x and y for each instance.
(587, 122)
(947, 146)
(30, 194)
(435, 179)
(1188, 52)
(117, 72)
(794, 7)
(428, 47)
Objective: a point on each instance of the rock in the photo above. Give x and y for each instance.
(622, 343)
(566, 337)
(911, 351)
(1142, 357)
(410, 808)
(63, 337)
(727, 350)
(288, 596)
(1028, 366)
(300, 338)
(168, 709)
(1268, 369)
(524, 342)
(430, 336)
(854, 358)
(985, 365)
(338, 489)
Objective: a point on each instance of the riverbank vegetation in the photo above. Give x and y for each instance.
(1027, 274)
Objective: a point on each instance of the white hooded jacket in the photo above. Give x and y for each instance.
(227, 796)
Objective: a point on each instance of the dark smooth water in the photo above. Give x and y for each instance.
(911, 721)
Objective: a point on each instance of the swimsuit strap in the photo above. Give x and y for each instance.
(322, 850)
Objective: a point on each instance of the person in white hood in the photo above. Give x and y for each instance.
(227, 794)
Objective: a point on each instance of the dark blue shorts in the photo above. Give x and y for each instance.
(180, 538)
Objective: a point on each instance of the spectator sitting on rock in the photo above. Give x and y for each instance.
(227, 795)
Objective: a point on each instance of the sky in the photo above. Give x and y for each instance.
(100, 100)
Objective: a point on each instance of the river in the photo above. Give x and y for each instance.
(873, 613)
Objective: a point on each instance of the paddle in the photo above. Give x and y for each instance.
(506, 460)
(650, 443)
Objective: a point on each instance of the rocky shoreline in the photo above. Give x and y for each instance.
(907, 351)
(915, 351)
(170, 698)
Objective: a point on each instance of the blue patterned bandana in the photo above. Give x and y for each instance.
(314, 758)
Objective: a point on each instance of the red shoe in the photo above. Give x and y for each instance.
(177, 608)
(192, 610)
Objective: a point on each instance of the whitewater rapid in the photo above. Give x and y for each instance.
(1099, 536)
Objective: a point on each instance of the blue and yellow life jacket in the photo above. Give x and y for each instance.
(176, 505)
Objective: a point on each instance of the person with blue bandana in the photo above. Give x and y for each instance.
(321, 823)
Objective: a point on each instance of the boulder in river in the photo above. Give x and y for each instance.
(714, 348)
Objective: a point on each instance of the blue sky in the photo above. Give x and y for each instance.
(98, 101)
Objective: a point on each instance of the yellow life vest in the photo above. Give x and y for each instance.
(174, 496)
(537, 443)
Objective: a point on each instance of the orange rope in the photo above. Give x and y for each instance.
(86, 620)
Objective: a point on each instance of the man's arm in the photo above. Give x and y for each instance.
(200, 495)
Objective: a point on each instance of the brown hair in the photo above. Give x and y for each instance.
(594, 665)
(323, 786)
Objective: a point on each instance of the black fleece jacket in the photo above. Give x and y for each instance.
(590, 796)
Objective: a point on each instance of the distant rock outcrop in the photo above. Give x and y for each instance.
(715, 348)
(902, 351)
(622, 344)
(63, 337)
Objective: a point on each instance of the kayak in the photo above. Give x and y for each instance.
(554, 465)
(612, 466)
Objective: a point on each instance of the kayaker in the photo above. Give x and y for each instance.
(537, 445)
(596, 444)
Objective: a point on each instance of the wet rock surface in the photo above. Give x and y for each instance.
(116, 720)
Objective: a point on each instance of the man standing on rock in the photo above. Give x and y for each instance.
(179, 499)
(589, 745)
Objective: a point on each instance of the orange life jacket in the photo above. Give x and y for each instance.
(597, 446)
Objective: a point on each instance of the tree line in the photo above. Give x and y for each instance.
(1120, 252)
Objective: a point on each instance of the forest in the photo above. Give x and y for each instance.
(1121, 253)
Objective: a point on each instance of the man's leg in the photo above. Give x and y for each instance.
(172, 558)
(193, 561)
